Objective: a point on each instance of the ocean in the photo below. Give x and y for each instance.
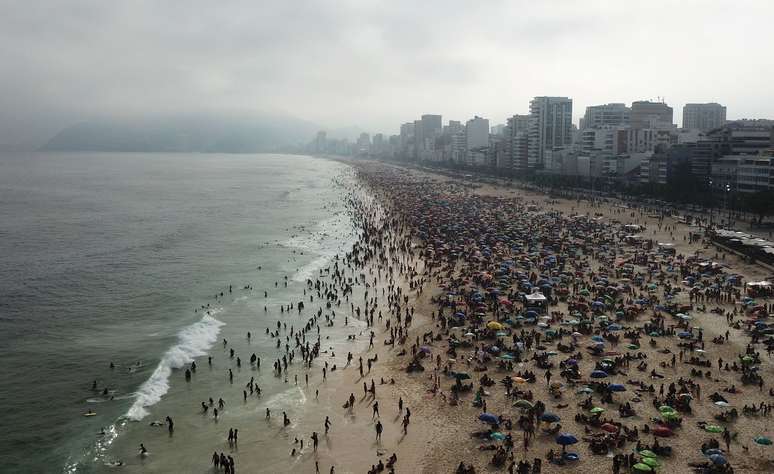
(121, 258)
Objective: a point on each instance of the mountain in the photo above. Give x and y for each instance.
(231, 134)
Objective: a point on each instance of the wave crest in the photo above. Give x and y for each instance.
(193, 341)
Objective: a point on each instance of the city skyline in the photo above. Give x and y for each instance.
(368, 65)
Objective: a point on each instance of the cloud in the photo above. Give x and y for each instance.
(372, 64)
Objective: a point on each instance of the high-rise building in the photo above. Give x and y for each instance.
(498, 129)
(364, 143)
(646, 114)
(321, 142)
(377, 146)
(606, 115)
(517, 134)
(704, 117)
(550, 127)
(431, 125)
(477, 133)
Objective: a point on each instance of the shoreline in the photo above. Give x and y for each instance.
(437, 438)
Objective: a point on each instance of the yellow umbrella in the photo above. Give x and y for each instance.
(494, 325)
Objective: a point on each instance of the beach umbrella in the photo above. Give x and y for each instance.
(597, 410)
(712, 451)
(585, 390)
(652, 462)
(599, 374)
(666, 409)
(425, 349)
(648, 453)
(713, 429)
(718, 459)
(633, 347)
(497, 436)
(461, 375)
(519, 380)
(488, 418)
(610, 428)
(616, 387)
(494, 325)
(762, 440)
(722, 403)
(670, 416)
(642, 467)
(549, 417)
(565, 439)
(662, 431)
(523, 404)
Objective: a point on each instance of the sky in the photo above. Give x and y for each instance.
(374, 65)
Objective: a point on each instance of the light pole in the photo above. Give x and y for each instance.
(711, 201)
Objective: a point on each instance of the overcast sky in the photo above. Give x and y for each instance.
(374, 64)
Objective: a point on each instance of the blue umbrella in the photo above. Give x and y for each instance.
(684, 334)
(616, 387)
(718, 459)
(712, 451)
(488, 418)
(599, 374)
(566, 439)
(549, 417)
(597, 338)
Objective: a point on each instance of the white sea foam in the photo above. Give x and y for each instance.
(193, 341)
(330, 237)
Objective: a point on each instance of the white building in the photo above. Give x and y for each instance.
(550, 127)
(704, 117)
(606, 115)
(477, 133)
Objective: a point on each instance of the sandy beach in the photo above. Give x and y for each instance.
(439, 435)
(505, 330)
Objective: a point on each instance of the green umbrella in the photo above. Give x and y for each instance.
(522, 404)
(762, 440)
(652, 462)
(642, 467)
(648, 453)
(713, 429)
(633, 347)
(596, 410)
(666, 409)
(671, 416)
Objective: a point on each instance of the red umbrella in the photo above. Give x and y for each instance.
(662, 431)
(610, 428)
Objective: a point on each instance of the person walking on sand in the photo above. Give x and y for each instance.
(327, 425)
(376, 410)
(315, 440)
(379, 428)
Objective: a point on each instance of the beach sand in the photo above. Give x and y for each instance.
(439, 438)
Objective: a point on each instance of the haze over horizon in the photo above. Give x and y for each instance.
(366, 64)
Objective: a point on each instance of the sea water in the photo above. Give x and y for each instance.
(122, 258)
